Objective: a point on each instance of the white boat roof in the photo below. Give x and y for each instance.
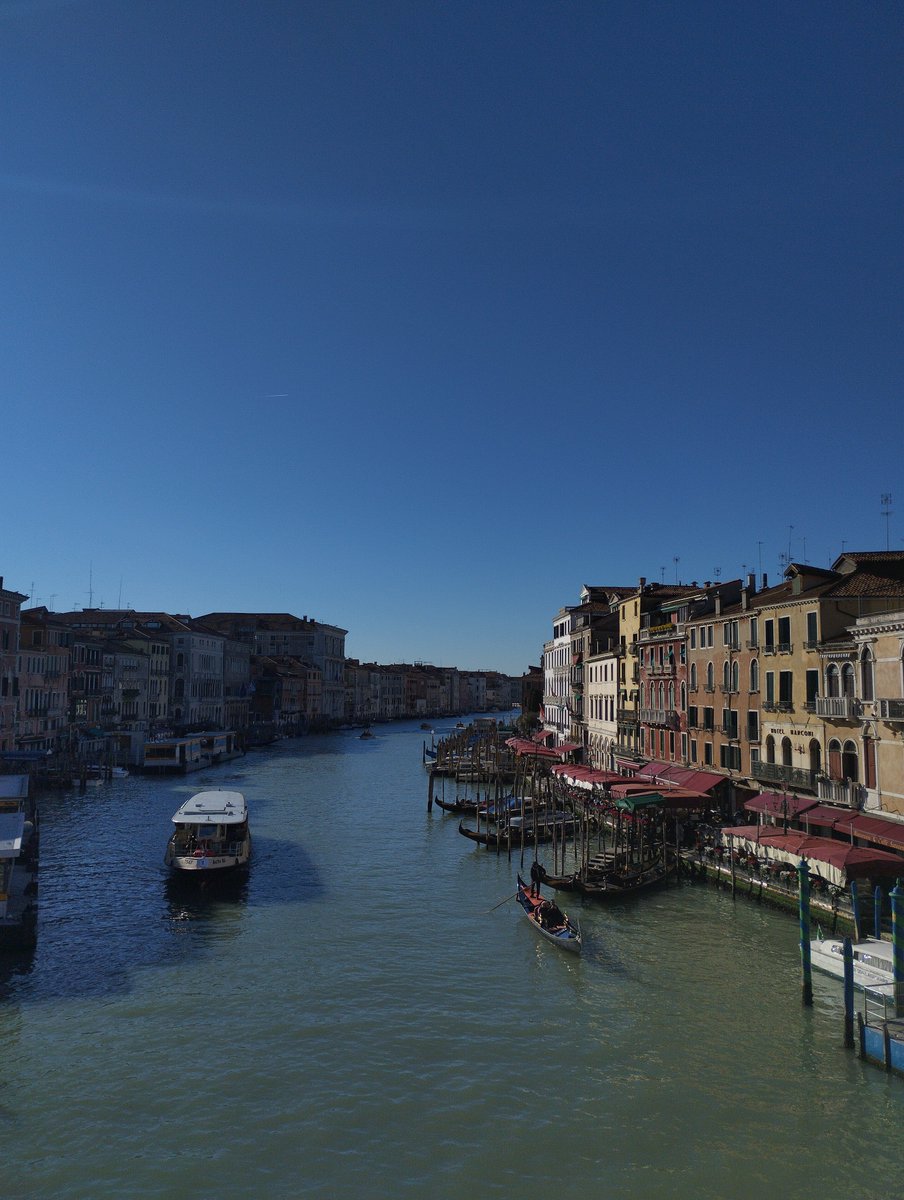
(213, 807)
(12, 829)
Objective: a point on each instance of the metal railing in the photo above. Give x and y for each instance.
(845, 708)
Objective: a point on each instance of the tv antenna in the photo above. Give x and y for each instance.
(676, 560)
(886, 513)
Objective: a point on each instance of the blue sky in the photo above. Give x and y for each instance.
(415, 317)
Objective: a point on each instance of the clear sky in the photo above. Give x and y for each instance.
(414, 317)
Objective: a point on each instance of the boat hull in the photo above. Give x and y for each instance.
(873, 969)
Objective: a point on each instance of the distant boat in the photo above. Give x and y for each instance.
(211, 834)
(548, 920)
(366, 734)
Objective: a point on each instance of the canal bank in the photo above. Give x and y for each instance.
(355, 1022)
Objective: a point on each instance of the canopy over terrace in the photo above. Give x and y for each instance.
(530, 749)
(835, 861)
(585, 777)
(779, 804)
(673, 775)
(673, 797)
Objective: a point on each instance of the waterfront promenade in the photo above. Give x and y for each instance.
(355, 1022)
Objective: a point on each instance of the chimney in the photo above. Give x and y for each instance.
(751, 583)
(718, 602)
(765, 583)
(744, 598)
(643, 583)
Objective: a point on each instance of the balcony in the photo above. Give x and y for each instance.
(778, 773)
(784, 648)
(842, 791)
(626, 716)
(753, 644)
(728, 689)
(842, 708)
(662, 669)
(659, 716)
(811, 645)
(891, 710)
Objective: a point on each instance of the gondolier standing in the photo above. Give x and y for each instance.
(536, 877)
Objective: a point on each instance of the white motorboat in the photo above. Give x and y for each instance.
(873, 964)
(211, 833)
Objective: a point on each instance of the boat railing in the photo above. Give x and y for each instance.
(877, 1007)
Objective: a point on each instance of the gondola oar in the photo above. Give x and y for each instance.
(505, 900)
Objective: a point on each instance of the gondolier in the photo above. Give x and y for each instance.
(537, 875)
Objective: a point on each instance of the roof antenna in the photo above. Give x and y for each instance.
(886, 513)
(676, 560)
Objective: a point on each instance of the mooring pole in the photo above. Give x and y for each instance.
(803, 880)
(897, 944)
(848, 993)
(855, 909)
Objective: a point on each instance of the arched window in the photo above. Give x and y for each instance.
(726, 675)
(693, 677)
(755, 676)
(833, 687)
(869, 761)
(683, 697)
(786, 752)
(671, 696)
(643, 692)
(815, 752)
(710, 676)
(847, 680)
(735, 676)
(835, 759)
(662, 695)
(850, 762)
(770, 749)
(866, 674)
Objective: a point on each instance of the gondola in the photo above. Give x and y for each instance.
(458, 805)
(615, 884)
(508, 836)
(549, 920)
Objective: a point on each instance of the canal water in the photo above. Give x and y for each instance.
(359, 1020)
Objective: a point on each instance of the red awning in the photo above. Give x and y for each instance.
(674, 773)
(854, 862)
(881, 830)
(825, 816)
(777, 804)
(567, 748)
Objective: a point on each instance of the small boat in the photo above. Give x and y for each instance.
(211, 834)
(873, 962)
(549, 920)
(616, 884)
(461, 804)
(424, 725)
(365, 734)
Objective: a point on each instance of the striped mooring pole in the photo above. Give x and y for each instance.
(803, 880)
(897, 944)
(855, 909)
(848, 950)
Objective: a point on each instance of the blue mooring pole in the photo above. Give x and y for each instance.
(855, 908)
(897, 943)
(803, 880)
(877, 913)
(848, 950)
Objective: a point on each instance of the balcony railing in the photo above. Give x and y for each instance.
(842, 791)
(659, 716)
(778, 773)
(891, 710)
(844, 708)
(728, 689)
(753, 643)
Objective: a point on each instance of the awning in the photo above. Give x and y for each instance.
(567, 747)
(778, 804)
(674, 773)
(824, 816)
(881, 830)
(666, 797)
(836, 861)
(528, 748)
(584, 776)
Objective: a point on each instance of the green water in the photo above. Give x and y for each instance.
(354, 1023)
